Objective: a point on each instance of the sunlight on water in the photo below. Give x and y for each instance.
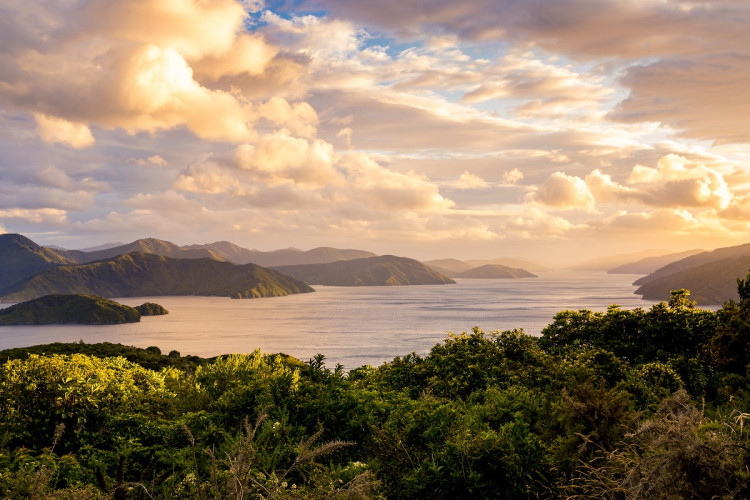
(353, 325)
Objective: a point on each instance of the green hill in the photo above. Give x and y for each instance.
(495, 271)
(710, 283)
(141, 274)
(62, 309)
(20, 258)
(386, 270)
(146, 245)
(700, 259)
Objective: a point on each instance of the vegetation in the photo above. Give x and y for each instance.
(621, 404)
(386, 270)
(141, 274)
(61, 309)
(151, 309)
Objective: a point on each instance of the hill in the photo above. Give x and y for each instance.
(146, 245)
(20, 258)
(63, 309)
(511, 262)
(612, 261)
(697, 260)
(709, 284)
(386, 270)
(651, 264)
(495, 271)
(142, 274)
(448, 267)
(285, 257)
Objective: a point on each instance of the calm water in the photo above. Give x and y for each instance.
(352, 326)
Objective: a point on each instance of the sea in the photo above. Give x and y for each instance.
(351, 326)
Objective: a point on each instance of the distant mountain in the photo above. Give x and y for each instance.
(495, 271)
(454, 267)
(697, 260)
(143, 274)
(386, 270)
(63, 309)
(21, 258)
(448, 267)
(612, 261)
(146, 245)
(709, 283)
(103, 246)
(284, 257)
(511, 262)
(651, 264)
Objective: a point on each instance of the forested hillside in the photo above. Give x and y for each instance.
(622, 404)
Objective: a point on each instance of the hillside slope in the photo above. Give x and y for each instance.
(709, 284)
(697, 260)
(142, 274)
(495, 271)
(386, 270)
(20, 258)
(651, 264)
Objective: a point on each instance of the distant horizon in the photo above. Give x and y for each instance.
(560, 265)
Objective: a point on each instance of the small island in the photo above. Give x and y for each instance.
(74, 309)
(151, 309)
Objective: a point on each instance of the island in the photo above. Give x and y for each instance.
(70, 308)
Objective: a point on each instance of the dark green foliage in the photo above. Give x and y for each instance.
(622, 404)
(61, 309)
(140, 274)
(151, 309)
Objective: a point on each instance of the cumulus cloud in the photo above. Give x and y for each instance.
(512, 176)
(48, 216)
(678, 182)
(279, 158)
(140, 65)
(564, 192)
(52, 129)
(467, 180)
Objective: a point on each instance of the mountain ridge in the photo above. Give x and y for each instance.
(384, 270)
(144, 274)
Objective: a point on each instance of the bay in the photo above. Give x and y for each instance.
(352, 326)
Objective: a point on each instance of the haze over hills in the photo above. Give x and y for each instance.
(454, 267)
(697, 260)
(511, 262)
(651, 264)
(146, 245)
(385, 270)
(710, 283)
(611, 261)
(495, 271)
(283, 257)
(143, 274)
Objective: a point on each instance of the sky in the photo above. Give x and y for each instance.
(552, 130)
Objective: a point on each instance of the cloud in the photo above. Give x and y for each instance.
(467, 180)
(677, 182)
(563, 192)
(47, 216)
(52, 129)
(279, 157)
(140, 65)
(512, 176)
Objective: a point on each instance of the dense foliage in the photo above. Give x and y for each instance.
(621, 404)
(69, 308)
